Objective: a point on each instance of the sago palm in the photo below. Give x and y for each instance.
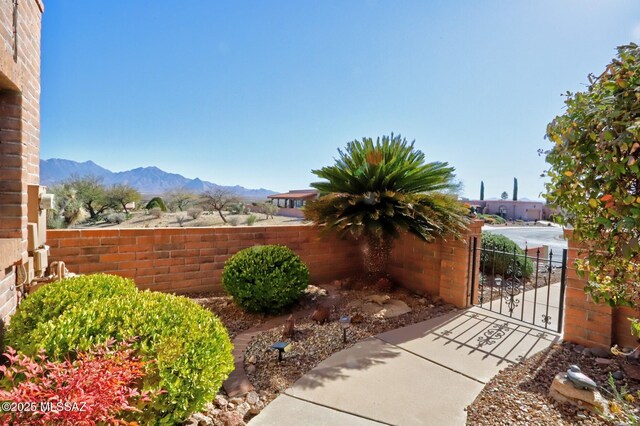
(377, 190)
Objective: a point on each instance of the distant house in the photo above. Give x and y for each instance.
(514, 210)
(292, 202)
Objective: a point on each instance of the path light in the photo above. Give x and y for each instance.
(282, 347)
(345, 322)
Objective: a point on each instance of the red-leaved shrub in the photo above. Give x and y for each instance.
(98, 387)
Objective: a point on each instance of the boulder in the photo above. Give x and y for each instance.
(393, 308)
(600, 352)
(564, 391)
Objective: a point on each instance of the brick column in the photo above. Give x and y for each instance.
(586, 322)
(455, 267)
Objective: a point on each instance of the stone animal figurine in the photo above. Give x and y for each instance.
(579, 379)
(320, 315)
(289, 328)
(377, 298)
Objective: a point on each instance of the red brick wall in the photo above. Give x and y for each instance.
(440, 268)
(589, 323)
(191, 259)
(19, 135)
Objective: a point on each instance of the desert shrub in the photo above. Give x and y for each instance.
(156, 202)
(233, 220)
(492, 219)
(238, 208)
(265, 278)
(156, 212)
(194, 212)
(251, 219)
(181, 219)
(497, 257)
(187, 348)
(269, 209)
(52, 300)
(115, 218)
(100, 382)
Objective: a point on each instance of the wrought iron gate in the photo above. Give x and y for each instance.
(527, 286)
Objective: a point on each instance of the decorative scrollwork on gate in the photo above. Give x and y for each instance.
(512, 288)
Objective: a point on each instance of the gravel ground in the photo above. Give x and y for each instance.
(312, 343)
(518, 395)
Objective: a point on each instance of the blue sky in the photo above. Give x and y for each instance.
(260, 93)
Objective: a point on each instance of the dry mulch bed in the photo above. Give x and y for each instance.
(518, 395)
(312, 342)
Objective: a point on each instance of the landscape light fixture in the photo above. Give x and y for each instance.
(282, 347)
(345, 322)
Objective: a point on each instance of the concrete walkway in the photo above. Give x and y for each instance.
(423, 374)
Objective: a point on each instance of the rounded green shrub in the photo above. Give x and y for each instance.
(156, 202)
(265, 278)
(52, 300)
(187, 348)
(497, 257)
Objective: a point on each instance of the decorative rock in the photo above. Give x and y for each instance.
(210, 409)
(321, 315)
(563, 390)
(252, 398)
(258, 406)
(243, 408)
(393, 308)
(252, 359)
(251, 368)
(618, 375)
(289, 328)
(600, 352)
(578, 349)
(231, 418)
(357, 318)
(603, 361)
(199, 419)
(586, 352)
(236, 400)
(632, 370)
(220, 401)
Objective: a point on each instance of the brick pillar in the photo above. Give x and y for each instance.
(586, 322)
(455, 267)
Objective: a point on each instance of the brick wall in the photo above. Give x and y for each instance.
(439, 268)
(191, 259)
(589, 323)
(20, 27)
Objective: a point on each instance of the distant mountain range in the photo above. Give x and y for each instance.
(147, 180)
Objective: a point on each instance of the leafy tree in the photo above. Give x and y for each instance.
(217, 199)
(595, 177)
(180, 199)
(515, 189)
(90, 191)
(121, 195)
(376, 190)
(481, 190)
(504, 195)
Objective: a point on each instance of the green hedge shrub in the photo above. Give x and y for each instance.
(156, 202)
(492, 219)
(492, 260)
(265, 278)
(52, 300)
(188, 347)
